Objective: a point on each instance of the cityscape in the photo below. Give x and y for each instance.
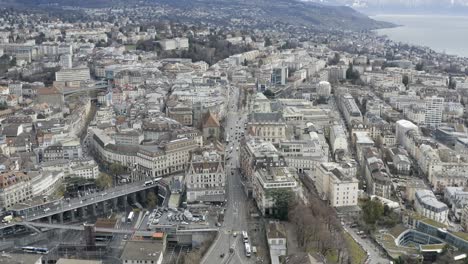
(216, 132)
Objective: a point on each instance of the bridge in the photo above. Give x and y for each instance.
(96, 87)
(113, 230)
(58, 211)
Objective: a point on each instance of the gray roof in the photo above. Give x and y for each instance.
(275, 117)
(142, 250)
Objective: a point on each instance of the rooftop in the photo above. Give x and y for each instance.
(143, 250)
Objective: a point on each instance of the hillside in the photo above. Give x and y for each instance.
(293, 12)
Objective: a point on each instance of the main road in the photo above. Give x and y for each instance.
(236, 210)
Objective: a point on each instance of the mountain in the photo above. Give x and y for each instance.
(295, 12)
(402, 6)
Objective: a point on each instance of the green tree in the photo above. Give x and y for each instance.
(116, 169)
(152, 200)
(405, 80)
(60, 191)
(452, 83)
(419, 66)
(282, 200)
(267, 42)
(336, 58)
(104, 181)
(268, 93)
(373, 210)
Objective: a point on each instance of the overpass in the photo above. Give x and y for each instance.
(113, 230)
(96, 87)
(90, 204)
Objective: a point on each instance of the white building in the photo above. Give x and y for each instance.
(336, 184)
(174, 44)
(268, 180)
(403, 126)
(338, 140)
(324, 89)
(427, 205)
(434, 110)
(205, 178)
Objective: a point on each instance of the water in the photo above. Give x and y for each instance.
(447, 34)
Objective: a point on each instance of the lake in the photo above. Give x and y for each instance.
(447, 34)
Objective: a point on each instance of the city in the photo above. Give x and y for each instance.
(176, 132)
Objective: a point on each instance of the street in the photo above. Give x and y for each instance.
(236, 211)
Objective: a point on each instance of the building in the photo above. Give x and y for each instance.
(279, 75)
(403, 126)
(269, 180)
(349, 109)
(66, 61)
(378, 180)
(324, 89)
(338, 141)
(267, 126)
(145, 160)
(174, 44)
(426, 204)
(257, 154)
(77, 261)
(305, 153)
(205, 177)
(277, 241)
(145, 250)
(72, 77)
(336, 184)
(128, 137)
(15, 187)
(210, 128)
(52, 96)
(13, 258)
(434, 110)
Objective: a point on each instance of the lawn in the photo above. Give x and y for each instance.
(358, 255)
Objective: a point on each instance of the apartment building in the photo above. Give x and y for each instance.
(267, 126)
(205, 177)
(336, 184)
(271, 179)
(15, 187)
(427, 205)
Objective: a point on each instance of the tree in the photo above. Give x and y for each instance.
(268, 93)
(267, 42)
(373, 210)
(352, 74)
(281, 200)
(336, 58)
(452, 83)
(405, 80)
(60, 191)
(419, 66)
(116, 169)
(104, 181)
(152, 200)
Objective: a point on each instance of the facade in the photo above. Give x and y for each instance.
(210, 127)
(427, 205)
(145, 160)
(267, 126)
(15, 187)
(378, 180)
(205, 178)
(269, 180)
(279, 76)
(174, 44)
(338, 140)
(128, 137)
(349, 109)
(434, 110)
(403, 126)
(337, 185)
(277, 240)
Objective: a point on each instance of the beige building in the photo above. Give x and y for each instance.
(336, 184)
(267, 126)
(15, 187)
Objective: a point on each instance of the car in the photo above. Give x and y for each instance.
(234, 234)
(184, 223)
(125, 237)
(218, 224)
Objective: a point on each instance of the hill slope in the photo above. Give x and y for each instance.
(293, 12)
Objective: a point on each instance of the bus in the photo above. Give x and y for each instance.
(157, 179)
(247, 249)
(35, 250)
(245, 236)
(130, 217)
(147, 183)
